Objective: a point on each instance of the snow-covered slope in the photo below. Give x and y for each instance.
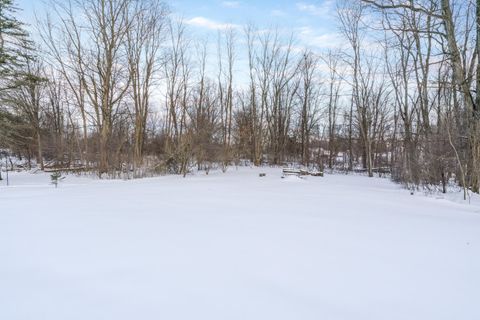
(235, 246)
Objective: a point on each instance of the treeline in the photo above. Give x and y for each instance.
(119, 87)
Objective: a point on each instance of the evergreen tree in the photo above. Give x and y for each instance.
(56, 178)
(14, 41)
(15, 55)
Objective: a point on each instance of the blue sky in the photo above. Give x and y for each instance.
(313, 22)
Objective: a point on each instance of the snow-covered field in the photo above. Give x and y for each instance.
(235, 246)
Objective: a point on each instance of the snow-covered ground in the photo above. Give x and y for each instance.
(235, 246)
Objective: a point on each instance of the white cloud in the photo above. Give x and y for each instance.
(325, 9)
(231, 4)
(327, 40)
(209, 24)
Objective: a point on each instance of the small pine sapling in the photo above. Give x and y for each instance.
(56, 178)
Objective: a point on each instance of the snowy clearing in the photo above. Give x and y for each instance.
(235, 246)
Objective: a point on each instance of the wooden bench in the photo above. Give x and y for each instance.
(301, 172)
(291, 172)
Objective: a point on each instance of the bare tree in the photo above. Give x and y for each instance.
(309, 97)
(144, 38)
